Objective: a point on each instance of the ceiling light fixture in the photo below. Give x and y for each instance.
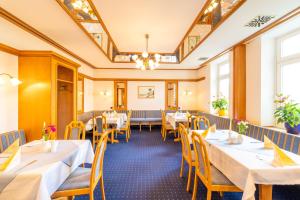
(146, 60)
(14, 81)
(213, 4)
(82, 5)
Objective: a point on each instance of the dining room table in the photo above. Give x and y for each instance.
(114, 121)
(175, 118)
(248, 163)
(42, 169)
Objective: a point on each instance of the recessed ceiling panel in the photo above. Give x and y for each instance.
(166, 21)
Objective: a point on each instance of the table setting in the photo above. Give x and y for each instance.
(262, 163)
(37, 169)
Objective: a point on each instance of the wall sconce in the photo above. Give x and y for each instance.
(105, 93)
(14, 81)
(187, 93)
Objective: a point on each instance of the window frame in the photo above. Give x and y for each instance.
(280, 61)
(222, 77)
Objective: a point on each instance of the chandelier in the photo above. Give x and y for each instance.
(146, 60)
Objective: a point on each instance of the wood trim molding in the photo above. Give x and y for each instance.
(115, 94)
(18, 22)
(57, 56)
(166, 95)
(239, 82)
(139, 79)
(48, 54)
(213, 28)
(9, 49)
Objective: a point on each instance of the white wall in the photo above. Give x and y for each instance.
(134, 103)
(149, 74)
(101, 101)
(187, 102)
(88, 95)
(8, 94)
(203, 94)
(253, 81)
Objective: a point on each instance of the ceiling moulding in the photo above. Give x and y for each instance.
(139, 79)
(81, 18)
(25, 53)
(18, 22)
(200, 19)
(277, 22)
(213, 18)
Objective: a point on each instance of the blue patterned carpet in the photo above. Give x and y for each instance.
(147, 168)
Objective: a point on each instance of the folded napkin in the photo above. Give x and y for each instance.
(213, 128)
(205, 133)
(268, 144)
(10, 157)
(281, 159)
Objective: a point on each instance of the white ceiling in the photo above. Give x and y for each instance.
(165, 21)
(159, 18)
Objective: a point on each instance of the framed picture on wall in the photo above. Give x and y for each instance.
(192, 42)
(146, 92)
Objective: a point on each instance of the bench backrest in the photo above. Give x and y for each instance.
(6, 139)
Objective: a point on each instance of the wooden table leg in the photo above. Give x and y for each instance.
(265, 192)
(113, 137)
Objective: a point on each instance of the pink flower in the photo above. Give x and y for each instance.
(52, 128)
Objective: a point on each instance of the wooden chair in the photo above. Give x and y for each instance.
(201, 120)
(74, 131)
(166, 127)
(126, 128)
(210, 176)
(84, 180)
(187, 154)
(100, 129)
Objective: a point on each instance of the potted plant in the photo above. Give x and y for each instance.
(221, 105)
(242, 127)
(287, 112)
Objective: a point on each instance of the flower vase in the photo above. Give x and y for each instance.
(240, 138)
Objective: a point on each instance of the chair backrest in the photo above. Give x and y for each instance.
(163, 117)
(97, 166)
(100, 123)
(75, 131)
(128, 119)
(201, 123)
(3, 142)
(185, 143)
(202, 164)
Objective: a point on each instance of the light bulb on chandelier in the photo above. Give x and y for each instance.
(146, 60)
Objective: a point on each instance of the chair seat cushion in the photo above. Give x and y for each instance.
(80, 178)
(218, 178)
(153, 119)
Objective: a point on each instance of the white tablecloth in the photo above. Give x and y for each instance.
(175, 118)
(115, 120)
(39, 180)
(249, 163)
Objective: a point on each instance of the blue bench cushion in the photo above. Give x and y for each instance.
(153, 119)
(137, 119)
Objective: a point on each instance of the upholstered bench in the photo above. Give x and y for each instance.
(284, 140)
(6, 139)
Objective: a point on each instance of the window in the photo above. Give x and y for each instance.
(223, 79)
(288, 65)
